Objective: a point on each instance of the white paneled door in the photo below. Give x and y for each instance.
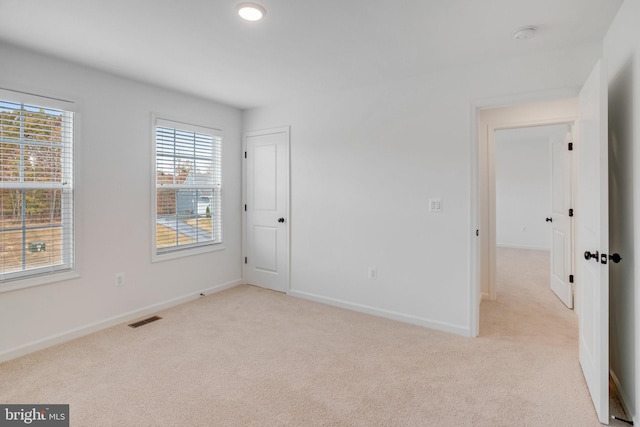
(592, 220)
(561, 234)
(267, 209)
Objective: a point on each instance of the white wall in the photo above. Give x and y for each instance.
(364, 163)
(622, 64)
(523, 186)
(113, 205)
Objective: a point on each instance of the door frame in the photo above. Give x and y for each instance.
(490, 291)
(544, 109)
(287, 131)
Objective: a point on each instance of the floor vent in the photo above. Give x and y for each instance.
(144, 321)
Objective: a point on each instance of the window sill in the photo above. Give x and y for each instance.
(29, 282)
(155, 257)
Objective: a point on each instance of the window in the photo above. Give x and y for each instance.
(36, 188)
(187, 201)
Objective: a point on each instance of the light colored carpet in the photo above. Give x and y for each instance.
(252, 357)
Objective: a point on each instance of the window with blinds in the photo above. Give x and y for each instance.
(36, 189)
(188, 162)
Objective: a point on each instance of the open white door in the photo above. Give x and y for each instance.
(561, 234)
(592, 220)
(267, 209)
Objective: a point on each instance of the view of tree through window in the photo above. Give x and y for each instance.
(35, 189)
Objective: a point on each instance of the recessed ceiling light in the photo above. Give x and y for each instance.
(524, 33)
(251, 11)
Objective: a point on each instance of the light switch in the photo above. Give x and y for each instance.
(435, 205)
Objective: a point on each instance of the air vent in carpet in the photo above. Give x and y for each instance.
(145, 321)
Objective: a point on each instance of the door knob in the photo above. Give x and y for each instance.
(588, 255)
(280, 219)
(615, 258)
(549, 219)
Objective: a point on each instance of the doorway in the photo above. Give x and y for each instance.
(490, 121)
(533, 198)
(266, 209)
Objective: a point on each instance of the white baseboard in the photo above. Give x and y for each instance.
(69, 335)
(516, 246)
(627, 405)
(428, 323)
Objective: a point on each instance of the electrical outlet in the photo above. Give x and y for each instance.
(373, 273)
(119, 279)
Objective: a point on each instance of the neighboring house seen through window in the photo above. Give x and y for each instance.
(36, 188)
(188, 186)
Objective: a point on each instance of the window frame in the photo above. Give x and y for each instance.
(68, 269)
(157, 255)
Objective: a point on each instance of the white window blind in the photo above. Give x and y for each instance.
(36, 189)
(188, 163)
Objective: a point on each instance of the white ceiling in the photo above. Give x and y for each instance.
(302, 47)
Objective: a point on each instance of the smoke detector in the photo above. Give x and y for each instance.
(524, 33)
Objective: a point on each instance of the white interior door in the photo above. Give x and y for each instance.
(592, 218)
(561, 231)
(267, 209)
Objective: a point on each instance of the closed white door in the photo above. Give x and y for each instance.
(561, 232)
(267, 209)
(592, 220)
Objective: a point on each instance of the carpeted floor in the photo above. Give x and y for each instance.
(252, 357)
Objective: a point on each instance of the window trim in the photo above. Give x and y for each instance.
(187, 251)
(51, 274)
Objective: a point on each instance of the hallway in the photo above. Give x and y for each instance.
(527, 312)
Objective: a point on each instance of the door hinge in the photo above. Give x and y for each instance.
(245, 207)
(477, 232)
(571, 146)
(245, 260)
(571, 278)
(570, 212)
(245, 154)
